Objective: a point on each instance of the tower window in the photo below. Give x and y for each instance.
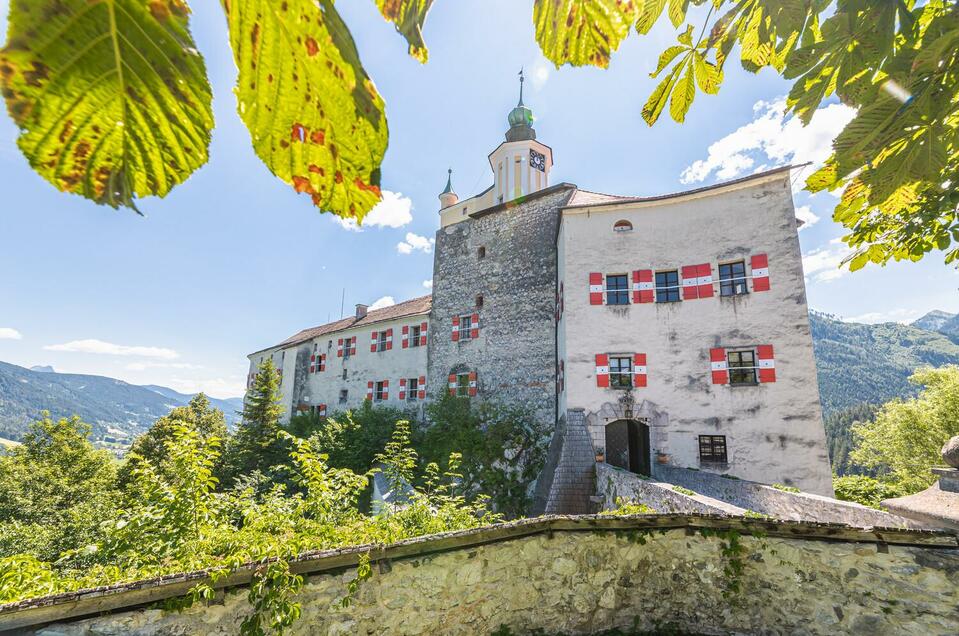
(622, 226)
(732, 279)
(481, 252)
(617, 289)
(479, 301)
(667, 286)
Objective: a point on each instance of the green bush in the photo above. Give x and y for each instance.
(868, 491)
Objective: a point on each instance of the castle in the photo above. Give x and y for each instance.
(663, 330)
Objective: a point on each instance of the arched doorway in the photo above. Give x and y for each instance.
(627, 445)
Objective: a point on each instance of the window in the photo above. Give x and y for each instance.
(620, 372)
(415, 333)
(667, 287)
(712, 449)
(344, 396)
(617, 289)
(732, 279)
(380, 391)
(466, 326)
(481, 252)
(381, 341)
(742, 367)
(463, 385)
(344, 374)
(412, 388)
(479, 301)
(347, 344)
(622, 226)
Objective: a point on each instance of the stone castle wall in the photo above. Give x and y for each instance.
(514, 356)
(582, 576)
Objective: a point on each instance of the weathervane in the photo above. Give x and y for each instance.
(521, 80)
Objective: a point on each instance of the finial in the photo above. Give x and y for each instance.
(449, 182)
(521, 80)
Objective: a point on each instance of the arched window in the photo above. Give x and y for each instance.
(622, 226)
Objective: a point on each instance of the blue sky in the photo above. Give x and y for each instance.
(233, 261)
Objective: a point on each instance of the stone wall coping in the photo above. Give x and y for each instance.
(73, 605)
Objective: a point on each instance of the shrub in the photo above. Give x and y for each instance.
(865, 490)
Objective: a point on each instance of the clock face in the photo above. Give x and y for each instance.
(537, 160)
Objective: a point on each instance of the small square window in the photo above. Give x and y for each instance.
(620, 372)
(667, 286)
(344, 374)
(481, 252)
(732, 279)
(380, 391)
(463, 385)
(344, 396)
(415, 333)
(617, 289)
(742, 367)
(466, 327)
(479, 301)
(712, 449)
(412, 389)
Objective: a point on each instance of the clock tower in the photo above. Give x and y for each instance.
(521, 164)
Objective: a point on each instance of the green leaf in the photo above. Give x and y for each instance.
(677, 11)
(582, 32)
(111, 96)
(683, 95)
(708, 75)
(314, 115)
(686, 37)
(666, 57)
(408, 16)
(657, 101)
(649, 14)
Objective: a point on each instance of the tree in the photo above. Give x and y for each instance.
(257, 444)
(55, 490)
(905, 438)
(319, 124)
(153, 445)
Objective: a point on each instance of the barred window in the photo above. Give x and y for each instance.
(617, 289)
(466, 325)
(742, 367)
(667, 286)
(463, 385)
(732, 279)
(379, 391)
(412, 387)
(620, 372)
(712, 449)
(381, 341)
(415, 333)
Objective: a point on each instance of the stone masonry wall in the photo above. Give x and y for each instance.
(614, 483)
(603, 574)
(514, 356)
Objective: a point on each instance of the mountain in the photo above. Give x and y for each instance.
(117, 410)
(870, 364)
(42, 368)
(935, 320)
(229, 406)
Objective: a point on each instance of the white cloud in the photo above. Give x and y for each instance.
(143, 366)
(539, 73)
(385, 301)
(394, 210)
(902, 316)
(822, 265)
(214, 387)
(9, 333)
(110, 349)
(415, 242)
(428, 284)
(771, 136)
(805, 214)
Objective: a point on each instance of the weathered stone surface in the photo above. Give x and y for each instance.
(587, 582)
(950, 452)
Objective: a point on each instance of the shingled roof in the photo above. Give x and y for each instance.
(413, 307)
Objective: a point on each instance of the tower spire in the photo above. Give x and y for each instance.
(521, 80)
(448, 197)
(449, 182)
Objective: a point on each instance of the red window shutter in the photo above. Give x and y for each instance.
(596, 288)
(720, 369)
(690, 279)
(472, 383)
(386, 389)
(312, 369)
(602, 370)
(639, 370)
(766, 363)
(643, 286)
(373, 342)
(353, 346)
(474, 330)
(456, 328)
(405, 337)
(322, 366)
(313, 358)
(759, 264)
(339, 348)
(422, 388)
(402, 389)
(705, 280)
(452, 384)
(369, 391)
(389, 339)
(423, 327)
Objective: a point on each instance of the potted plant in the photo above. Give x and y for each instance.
(600, 454)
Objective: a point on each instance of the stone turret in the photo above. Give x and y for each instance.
(447, 196)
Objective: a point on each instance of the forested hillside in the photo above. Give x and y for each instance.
(870, 364)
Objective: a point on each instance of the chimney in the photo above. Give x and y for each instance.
(361, 311)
